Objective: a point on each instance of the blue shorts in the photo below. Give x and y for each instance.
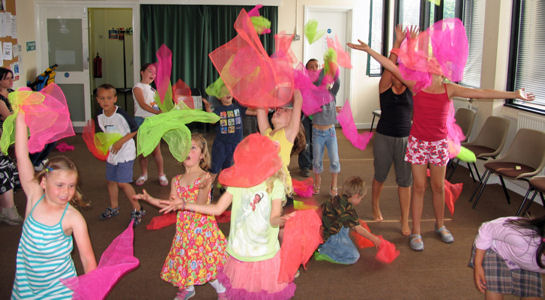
(139, 121)
(122, 172)
(222, 156)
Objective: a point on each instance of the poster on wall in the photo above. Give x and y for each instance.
(7, 51)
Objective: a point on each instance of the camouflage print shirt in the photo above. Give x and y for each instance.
(336, 214)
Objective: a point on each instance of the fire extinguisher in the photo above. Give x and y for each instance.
(97, 67)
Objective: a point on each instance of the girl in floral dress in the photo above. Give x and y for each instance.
(198, 247)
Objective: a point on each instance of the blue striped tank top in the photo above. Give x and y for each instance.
(43, 258)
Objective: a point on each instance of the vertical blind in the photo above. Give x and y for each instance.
(474, 24)
(530, 57)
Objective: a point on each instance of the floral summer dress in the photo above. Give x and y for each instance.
(198, 247)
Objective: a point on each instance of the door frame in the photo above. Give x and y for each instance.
(41, 38)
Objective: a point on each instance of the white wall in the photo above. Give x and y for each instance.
(26, 31)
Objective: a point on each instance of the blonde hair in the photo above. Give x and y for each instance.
(354, 185)
(204, 163)
(282, 176)
(66, 164)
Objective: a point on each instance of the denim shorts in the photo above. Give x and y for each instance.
(340, 248)
(320, 140)
(122, 172)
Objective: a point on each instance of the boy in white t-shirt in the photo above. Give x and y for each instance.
(120, 161)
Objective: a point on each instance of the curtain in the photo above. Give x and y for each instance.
(191, 32)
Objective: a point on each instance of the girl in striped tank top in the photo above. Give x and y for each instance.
(43, 257)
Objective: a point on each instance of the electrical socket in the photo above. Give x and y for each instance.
(296, 37)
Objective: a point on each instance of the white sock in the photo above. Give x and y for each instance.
(190, 288)
(217, 286)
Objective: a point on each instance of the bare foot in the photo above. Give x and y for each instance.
(377, 216)
(405, 229)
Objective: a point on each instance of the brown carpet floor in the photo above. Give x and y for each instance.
(439, 272)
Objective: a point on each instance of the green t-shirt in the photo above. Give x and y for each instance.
(251, 237)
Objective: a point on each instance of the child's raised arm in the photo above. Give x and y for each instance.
(384, 61)
(30, 186)
(295, 122)
(262, 120)
(81, 235)
(386, 79)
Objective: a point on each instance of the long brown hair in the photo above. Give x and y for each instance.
(64, 163)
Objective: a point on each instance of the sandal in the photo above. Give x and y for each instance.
(333, 192)
(416, 243)
(163, 181)
(315, 189)
(141, 180)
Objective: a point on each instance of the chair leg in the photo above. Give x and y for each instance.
(542, 200)
(529, 203)
(481, 188)
(523, 204)
(505, 190)
(372, 123)
(471, 172)
(477, 172)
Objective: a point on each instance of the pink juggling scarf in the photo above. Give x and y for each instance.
(261, 24)
(303, 188)
(252, 77)
(441, 49)
(314, 97)
(164, 68)
(46, 115)
(343, 58)
(301, 238)
(350, 131)
(117, 260)
(182, 93)
(455, 136)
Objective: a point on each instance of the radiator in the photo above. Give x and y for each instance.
(530, 121)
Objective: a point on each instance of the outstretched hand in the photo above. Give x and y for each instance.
(206, 181)
(399, 33)
(173, 204)
(412, 31)
(361, 46)
(142, 196)
(523, 95)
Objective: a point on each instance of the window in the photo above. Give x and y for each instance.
(408, 13)
(376, 35)
(527, 53)
(474, 24)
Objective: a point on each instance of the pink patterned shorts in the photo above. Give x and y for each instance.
(423, 152)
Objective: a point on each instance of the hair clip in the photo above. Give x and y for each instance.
(48, 169)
